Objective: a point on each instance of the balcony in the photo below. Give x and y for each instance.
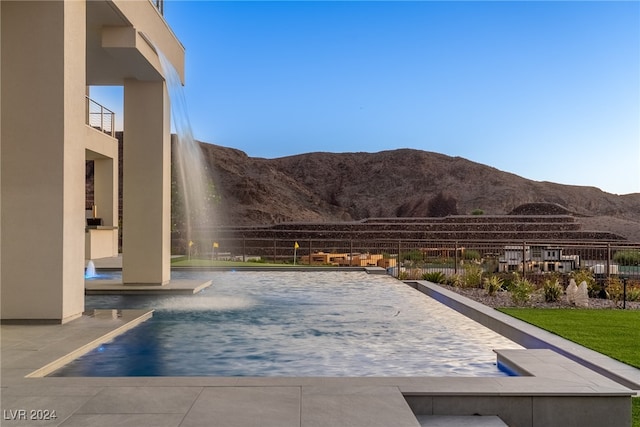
(100, 117)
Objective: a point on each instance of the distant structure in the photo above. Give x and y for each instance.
(52, 53)
(537, 258)
(348, 260)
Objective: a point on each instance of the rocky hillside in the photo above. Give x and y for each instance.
(328, 187)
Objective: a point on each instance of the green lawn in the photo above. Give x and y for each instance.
(197, 262)
(615, 333)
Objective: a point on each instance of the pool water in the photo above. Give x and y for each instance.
(294, 324)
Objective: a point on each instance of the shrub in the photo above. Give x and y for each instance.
(633, 294)
(552, 290)
(507, 279)
(492, 284)
(413, 255)
(583, 275)
(614, 289)
(472, 276)
(521, 290)
(455, 280)
(471, 255)
(415, 274)
(477, 212)
(403, 275)
(627, 257)
(435, 277)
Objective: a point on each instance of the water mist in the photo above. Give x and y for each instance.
(195, 188)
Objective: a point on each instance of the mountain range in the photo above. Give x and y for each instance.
(337, 187)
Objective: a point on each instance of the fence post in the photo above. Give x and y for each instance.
(455, 259)
(608, 260)
(309, 251)
(524, 260)
(350, 251)
(274, 250)
(624, 293)
(101, 119)
(399, 260)
(244, 250)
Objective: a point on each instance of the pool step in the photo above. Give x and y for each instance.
(460, 421)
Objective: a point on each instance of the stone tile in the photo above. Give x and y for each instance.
(245, 407)
(514, 410)
(123, 420)
(54, 410)
(420, 405)
(457, 421)
(551, 411)
(355, 407)
(142, 400)
(33, 389)
(456, 385)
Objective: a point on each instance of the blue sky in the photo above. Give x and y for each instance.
(547, 90)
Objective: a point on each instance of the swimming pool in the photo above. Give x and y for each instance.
(294, 324)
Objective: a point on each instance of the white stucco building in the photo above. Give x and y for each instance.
(52, 51)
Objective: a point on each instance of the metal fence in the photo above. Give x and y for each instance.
(159, 4)
(415, 258)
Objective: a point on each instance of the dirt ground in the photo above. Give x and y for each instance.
(625, 228)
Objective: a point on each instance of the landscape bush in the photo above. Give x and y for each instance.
(435, 277)
(614, 289)
(492, 284)
(633, 293)
(413, 255)
(455, 280)
(471, 255)
(552, 290)
(627, 257)
(472, 276)
(521, 290)
(507, 279)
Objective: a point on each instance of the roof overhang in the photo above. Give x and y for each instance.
(122, 40)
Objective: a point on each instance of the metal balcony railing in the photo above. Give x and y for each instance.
(100, 117)
(159, 4)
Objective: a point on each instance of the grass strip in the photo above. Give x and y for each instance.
(198, 262)
(615, 333)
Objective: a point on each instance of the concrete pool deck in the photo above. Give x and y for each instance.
(98, 286)
(552, 391)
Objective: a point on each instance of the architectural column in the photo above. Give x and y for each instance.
(105, 189)
(43, 160)
(146, 215)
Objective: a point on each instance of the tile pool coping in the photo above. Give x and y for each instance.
(531, 337)
(553, 391)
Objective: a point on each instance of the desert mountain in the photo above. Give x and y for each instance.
(329, 187)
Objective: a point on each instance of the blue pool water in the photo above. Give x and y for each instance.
(294, 324)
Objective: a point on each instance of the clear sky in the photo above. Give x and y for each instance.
(548, 90)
